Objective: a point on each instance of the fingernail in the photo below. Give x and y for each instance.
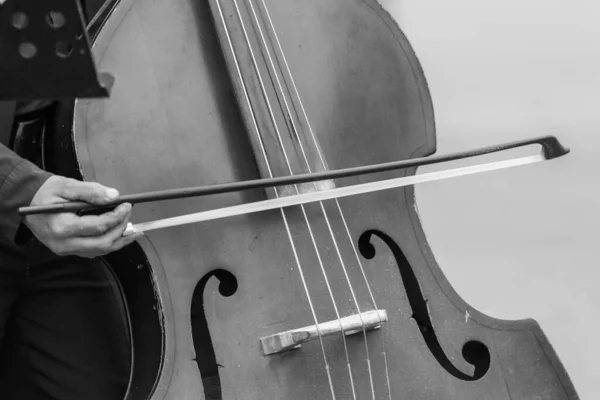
(112, 194)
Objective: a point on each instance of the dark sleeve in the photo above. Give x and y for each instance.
(19, 181)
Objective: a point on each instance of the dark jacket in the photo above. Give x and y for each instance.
(19, 181)
(19, 178)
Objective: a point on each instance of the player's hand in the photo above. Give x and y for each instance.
(84, 236)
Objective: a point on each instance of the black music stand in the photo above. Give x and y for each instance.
(45, 52)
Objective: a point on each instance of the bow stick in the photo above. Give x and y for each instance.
(551, 148)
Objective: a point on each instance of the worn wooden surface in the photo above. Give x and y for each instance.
(174, 120)
(504, 70)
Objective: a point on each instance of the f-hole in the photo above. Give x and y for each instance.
(474, 352)
(205, 352)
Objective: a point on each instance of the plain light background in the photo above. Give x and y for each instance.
(523, 242)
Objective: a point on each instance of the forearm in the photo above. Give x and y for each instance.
(19, 181)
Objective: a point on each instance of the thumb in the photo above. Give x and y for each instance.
(89, 192)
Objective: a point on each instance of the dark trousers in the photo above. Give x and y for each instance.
(63, 332)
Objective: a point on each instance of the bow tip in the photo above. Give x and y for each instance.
(553, 148)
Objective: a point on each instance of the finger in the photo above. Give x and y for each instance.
(117, 245)
(90, 192)
(124, 241)
(70, 225)
(98, 245)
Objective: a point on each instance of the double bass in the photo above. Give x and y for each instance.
(331, 299)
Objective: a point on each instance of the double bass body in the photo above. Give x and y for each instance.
(220, 91)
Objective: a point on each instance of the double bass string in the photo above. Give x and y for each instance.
(322, 159)
(300, 270)
(332, 234)
(312, 237)
(255, 125)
